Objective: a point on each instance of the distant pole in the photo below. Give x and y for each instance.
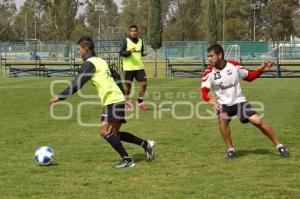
(34, 26)
(99, 24)
(224, 8)
(254, 21)
(26, 26)
(255, 6)
(98, 8)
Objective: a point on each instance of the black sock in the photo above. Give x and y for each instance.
(128, 137)
(116, 144)
(140, 100)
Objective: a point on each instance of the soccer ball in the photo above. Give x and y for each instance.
(44, 155)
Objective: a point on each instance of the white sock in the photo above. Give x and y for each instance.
(279, 145)
(231, 149)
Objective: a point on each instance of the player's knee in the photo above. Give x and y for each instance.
(103, 132)
(257, 122)
(223, 118)
(128, 85)
(144, 84)
(114, 131)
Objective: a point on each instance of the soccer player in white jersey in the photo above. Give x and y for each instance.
(223, 77)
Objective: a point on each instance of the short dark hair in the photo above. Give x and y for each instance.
(86, 41)
(217, 48)
(133, 26)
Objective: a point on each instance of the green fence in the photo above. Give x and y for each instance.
(169, 50)
(66, 53)
(235, 50)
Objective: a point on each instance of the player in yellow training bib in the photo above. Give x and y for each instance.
(132, 51)
(112, 99)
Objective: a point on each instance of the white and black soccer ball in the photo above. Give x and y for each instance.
(44, 155)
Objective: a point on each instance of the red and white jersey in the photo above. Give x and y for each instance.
(226, 82)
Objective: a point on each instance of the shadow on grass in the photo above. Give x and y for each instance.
(241, 153)
(139, 157)
(55, 164)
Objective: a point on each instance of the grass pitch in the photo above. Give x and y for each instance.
(190, 154)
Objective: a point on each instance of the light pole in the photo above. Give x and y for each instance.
(224, 13)
(256, 5)
(254, 21)
(35, 25)
(99, 8)
(99, 24)
(26, 35)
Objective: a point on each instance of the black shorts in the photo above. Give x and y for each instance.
(139, 75)
(242, 110)
(114, 113)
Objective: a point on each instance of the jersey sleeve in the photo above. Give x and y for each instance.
(243, 73)
(206, 85)
(206, 79)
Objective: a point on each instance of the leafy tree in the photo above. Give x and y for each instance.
(7, 14)
(61, 15)
(212, 32)
(135, 12)
(279, 26)
(155, 27)
(27, 21)
(185, 20)
(109, 15)
(234, 23)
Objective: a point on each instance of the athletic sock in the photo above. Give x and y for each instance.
(231, 149)
(279, 145)
(128, 137)
(140, 100)
(116, 144)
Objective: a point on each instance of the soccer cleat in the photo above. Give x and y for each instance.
(142, 106)
(283, 152)
(126, 162)
(149, 150)
(128, 106)
(231, 154)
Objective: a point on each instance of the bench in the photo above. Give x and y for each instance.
(39, 68)
(184, 69)
(195, 69)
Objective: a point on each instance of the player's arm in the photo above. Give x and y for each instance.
(205, 88)
(86, 72)
(252, 75)
(123, 49)
(209, 99)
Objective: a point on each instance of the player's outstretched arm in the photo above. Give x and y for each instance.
(266, 65)
(86, 72)
(252, 75)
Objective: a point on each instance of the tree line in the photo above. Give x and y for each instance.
(182, 20)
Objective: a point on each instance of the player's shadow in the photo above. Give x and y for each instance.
(139, 157)
(241, 153)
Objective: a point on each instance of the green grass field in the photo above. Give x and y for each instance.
(190, 154)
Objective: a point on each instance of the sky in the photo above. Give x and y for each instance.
(19, 3)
